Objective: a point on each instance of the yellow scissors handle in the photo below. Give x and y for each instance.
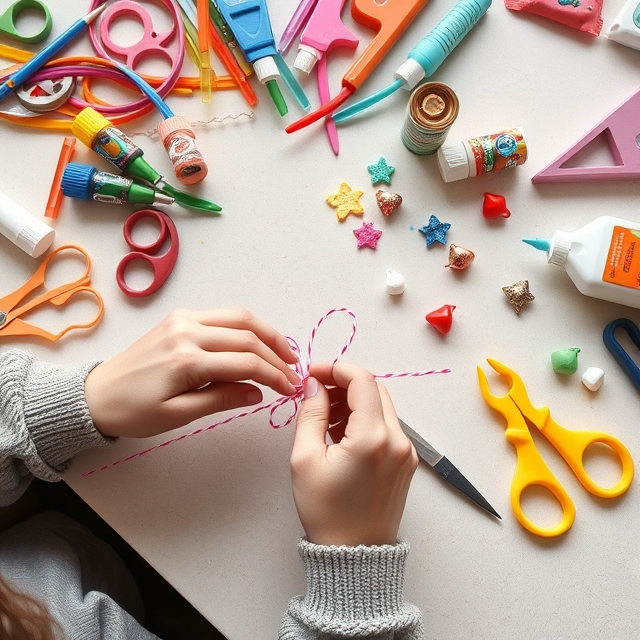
(532, 471)
(572, 446)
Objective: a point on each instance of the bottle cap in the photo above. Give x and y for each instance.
(173, 124)
(453, 162)
(87, 124)
(77, 179)
(306, 58)
(411, 71)
(560, 247)
(266, 69)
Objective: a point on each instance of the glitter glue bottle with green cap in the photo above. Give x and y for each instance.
(99, 134)
(88, 183)
(602, 258)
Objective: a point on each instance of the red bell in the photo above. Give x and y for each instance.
(494, 206)
(441, 318)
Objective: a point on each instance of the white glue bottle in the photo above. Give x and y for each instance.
(23, 229)
(602, 258)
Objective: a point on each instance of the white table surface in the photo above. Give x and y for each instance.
(214, 514)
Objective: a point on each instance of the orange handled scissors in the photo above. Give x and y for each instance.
(531, 470)
(11, 312)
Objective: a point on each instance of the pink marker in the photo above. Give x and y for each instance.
(324, 32)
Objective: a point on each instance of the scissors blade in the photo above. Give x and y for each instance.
(446, 469)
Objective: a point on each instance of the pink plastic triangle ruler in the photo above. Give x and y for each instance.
(621, 130)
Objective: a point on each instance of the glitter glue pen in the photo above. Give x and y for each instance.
(427, 55)
(250, 23)
(99, 134)
(88, 183)
(26, 231)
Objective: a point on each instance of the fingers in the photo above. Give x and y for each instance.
(244, 320)
(313, 421)
(215, 339)
(236, 367)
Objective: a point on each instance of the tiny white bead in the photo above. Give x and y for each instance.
(395, 283)
(593, 378)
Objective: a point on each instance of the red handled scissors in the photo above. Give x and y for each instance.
(162, 264)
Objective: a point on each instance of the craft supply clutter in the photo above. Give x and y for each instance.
(387, 159)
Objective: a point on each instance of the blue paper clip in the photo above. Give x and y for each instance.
(621, 356)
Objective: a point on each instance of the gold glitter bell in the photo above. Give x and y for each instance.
(459, 257)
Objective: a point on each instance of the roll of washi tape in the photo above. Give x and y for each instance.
(432, 109)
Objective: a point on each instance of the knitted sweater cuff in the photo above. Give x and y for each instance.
(349, 586)
(56, 412)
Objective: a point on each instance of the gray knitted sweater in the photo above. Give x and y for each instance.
(352, 592)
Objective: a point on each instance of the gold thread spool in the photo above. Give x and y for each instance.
(432, 109)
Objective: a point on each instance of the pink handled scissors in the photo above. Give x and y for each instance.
(162, 264)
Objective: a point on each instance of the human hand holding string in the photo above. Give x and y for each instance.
(192, 364)
(353, 491)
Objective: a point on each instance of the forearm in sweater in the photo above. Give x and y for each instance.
(352, 592)
(44, 420)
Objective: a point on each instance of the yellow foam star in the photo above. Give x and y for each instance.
(346, 201)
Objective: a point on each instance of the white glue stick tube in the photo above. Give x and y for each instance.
(23, 228)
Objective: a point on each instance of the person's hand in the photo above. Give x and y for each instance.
(353, 491)
(190, 365)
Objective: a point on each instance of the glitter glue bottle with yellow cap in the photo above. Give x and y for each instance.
(602, 258)
(476, 156)
(179, 139)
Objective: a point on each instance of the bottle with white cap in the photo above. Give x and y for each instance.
(23, 228)
(476, 156)
(602, 258)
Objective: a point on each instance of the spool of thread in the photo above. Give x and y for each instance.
(23, 229)
(179, 139)
(432, 109)
(475, 156)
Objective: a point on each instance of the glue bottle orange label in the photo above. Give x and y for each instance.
(179, 139)
(602, 258)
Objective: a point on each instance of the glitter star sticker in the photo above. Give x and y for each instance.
(435, 231)
(346, 201)
(518, 294)
(367, 236)
(380, 172)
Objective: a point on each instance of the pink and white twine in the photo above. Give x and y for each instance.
(302, 369)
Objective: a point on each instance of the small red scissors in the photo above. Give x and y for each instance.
(162, 265)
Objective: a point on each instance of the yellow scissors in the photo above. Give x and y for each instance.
(531, 470)
(10, 16)
(11, 323)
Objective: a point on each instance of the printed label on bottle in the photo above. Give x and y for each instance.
(110, 188)
(623, 261)
(498, 151)
(116, 147)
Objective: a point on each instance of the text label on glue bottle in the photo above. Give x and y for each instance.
(602, 258)
(476, 156)
(179, 139)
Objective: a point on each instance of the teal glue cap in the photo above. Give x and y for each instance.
(538, 243)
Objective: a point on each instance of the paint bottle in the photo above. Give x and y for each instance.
(179, 139)
(602, 258)
(23, 228)
(97, 133)
(476, 156)
(87, 183)
(432, 109)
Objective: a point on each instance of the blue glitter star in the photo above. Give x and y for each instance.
(381, 171)
(435, 231)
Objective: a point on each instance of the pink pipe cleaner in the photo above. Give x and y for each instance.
(302, 369)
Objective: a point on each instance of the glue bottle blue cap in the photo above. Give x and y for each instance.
(538, 243)
(77, 179)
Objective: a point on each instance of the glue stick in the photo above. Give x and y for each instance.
(23, 228)
(179, 139)
(476, 156)
(602, 258)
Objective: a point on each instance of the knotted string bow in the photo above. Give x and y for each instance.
(302, 369)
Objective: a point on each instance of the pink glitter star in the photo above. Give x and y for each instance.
(367, 236)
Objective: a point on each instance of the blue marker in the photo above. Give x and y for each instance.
(428, 55)
(249, 21)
